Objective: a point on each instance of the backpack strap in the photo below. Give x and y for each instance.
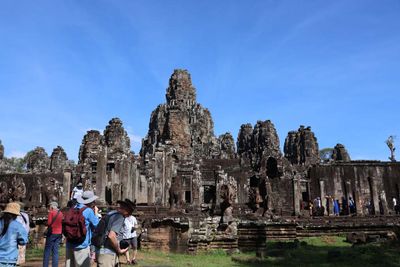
(54, 218)
(81, 210)
(108, 222)
(23, 217)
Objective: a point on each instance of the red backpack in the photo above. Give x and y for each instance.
(74, 227)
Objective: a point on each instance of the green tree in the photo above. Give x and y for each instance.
(390, 143)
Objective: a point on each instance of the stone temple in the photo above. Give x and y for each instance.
(195, 190)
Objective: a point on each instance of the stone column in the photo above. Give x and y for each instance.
(101, 175)
(159, 176)
(359, 206)
(196, 184)
(349, 193)
(296, 198)
(322, 193)
(126, 180)
(375, 195)
(66, 188)
(384, 202)
(221, 178)
(150, 190)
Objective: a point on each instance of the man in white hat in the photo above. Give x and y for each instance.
(79, 254)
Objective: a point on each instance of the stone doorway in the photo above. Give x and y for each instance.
(272, 168)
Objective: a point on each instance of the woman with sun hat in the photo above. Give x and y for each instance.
(12, 234)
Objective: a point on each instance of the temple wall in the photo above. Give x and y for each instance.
(35, 190)
(364, 181)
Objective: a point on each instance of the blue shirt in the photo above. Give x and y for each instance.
(15, 235)
(91, 221)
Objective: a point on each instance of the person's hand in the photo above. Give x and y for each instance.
(123, 251)
(96, 210)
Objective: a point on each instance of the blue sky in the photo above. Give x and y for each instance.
(70, 66)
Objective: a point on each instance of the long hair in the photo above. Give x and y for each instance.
(7, 218)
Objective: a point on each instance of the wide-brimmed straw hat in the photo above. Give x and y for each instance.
(87, 197)
(13, 208)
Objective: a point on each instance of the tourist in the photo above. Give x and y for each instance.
(395, 205)
(92, 247)
(53, 235)
(345, 207)
(12, 234)
(79, 254)
(107, 255)
(130, 236)
(336, 207)
(77, 191)
(370, 207)
(318, 209)
(317, 202)
(380, 203)
(352, 205)
(23, 218)
(310, 207)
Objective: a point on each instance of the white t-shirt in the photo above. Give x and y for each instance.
(128, 224)
(24, 221)
(76, 192)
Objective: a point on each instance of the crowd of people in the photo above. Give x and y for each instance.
(91, 237)
(332, 206)
(345, 206)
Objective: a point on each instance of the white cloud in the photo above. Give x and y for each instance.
(135, 138)
(16, 154)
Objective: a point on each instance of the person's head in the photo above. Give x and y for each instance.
(126, 207)
(53, 205)
(79, 185)
(10, 213)
(87, 198)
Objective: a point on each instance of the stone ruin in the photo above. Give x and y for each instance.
(196, 191)
(40, 182)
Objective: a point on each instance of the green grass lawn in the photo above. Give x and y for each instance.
(318, 251)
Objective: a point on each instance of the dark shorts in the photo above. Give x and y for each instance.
(132, 242)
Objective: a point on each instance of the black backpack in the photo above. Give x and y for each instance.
(100, 234)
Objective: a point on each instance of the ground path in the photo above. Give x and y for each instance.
(37, 262)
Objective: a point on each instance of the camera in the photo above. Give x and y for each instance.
(123, 244)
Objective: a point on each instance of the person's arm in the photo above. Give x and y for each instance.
(112, 236)
(93, 219)
(22, 236)
(135, 224)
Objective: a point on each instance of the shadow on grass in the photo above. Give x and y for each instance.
(306, 254)
(321, 251)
